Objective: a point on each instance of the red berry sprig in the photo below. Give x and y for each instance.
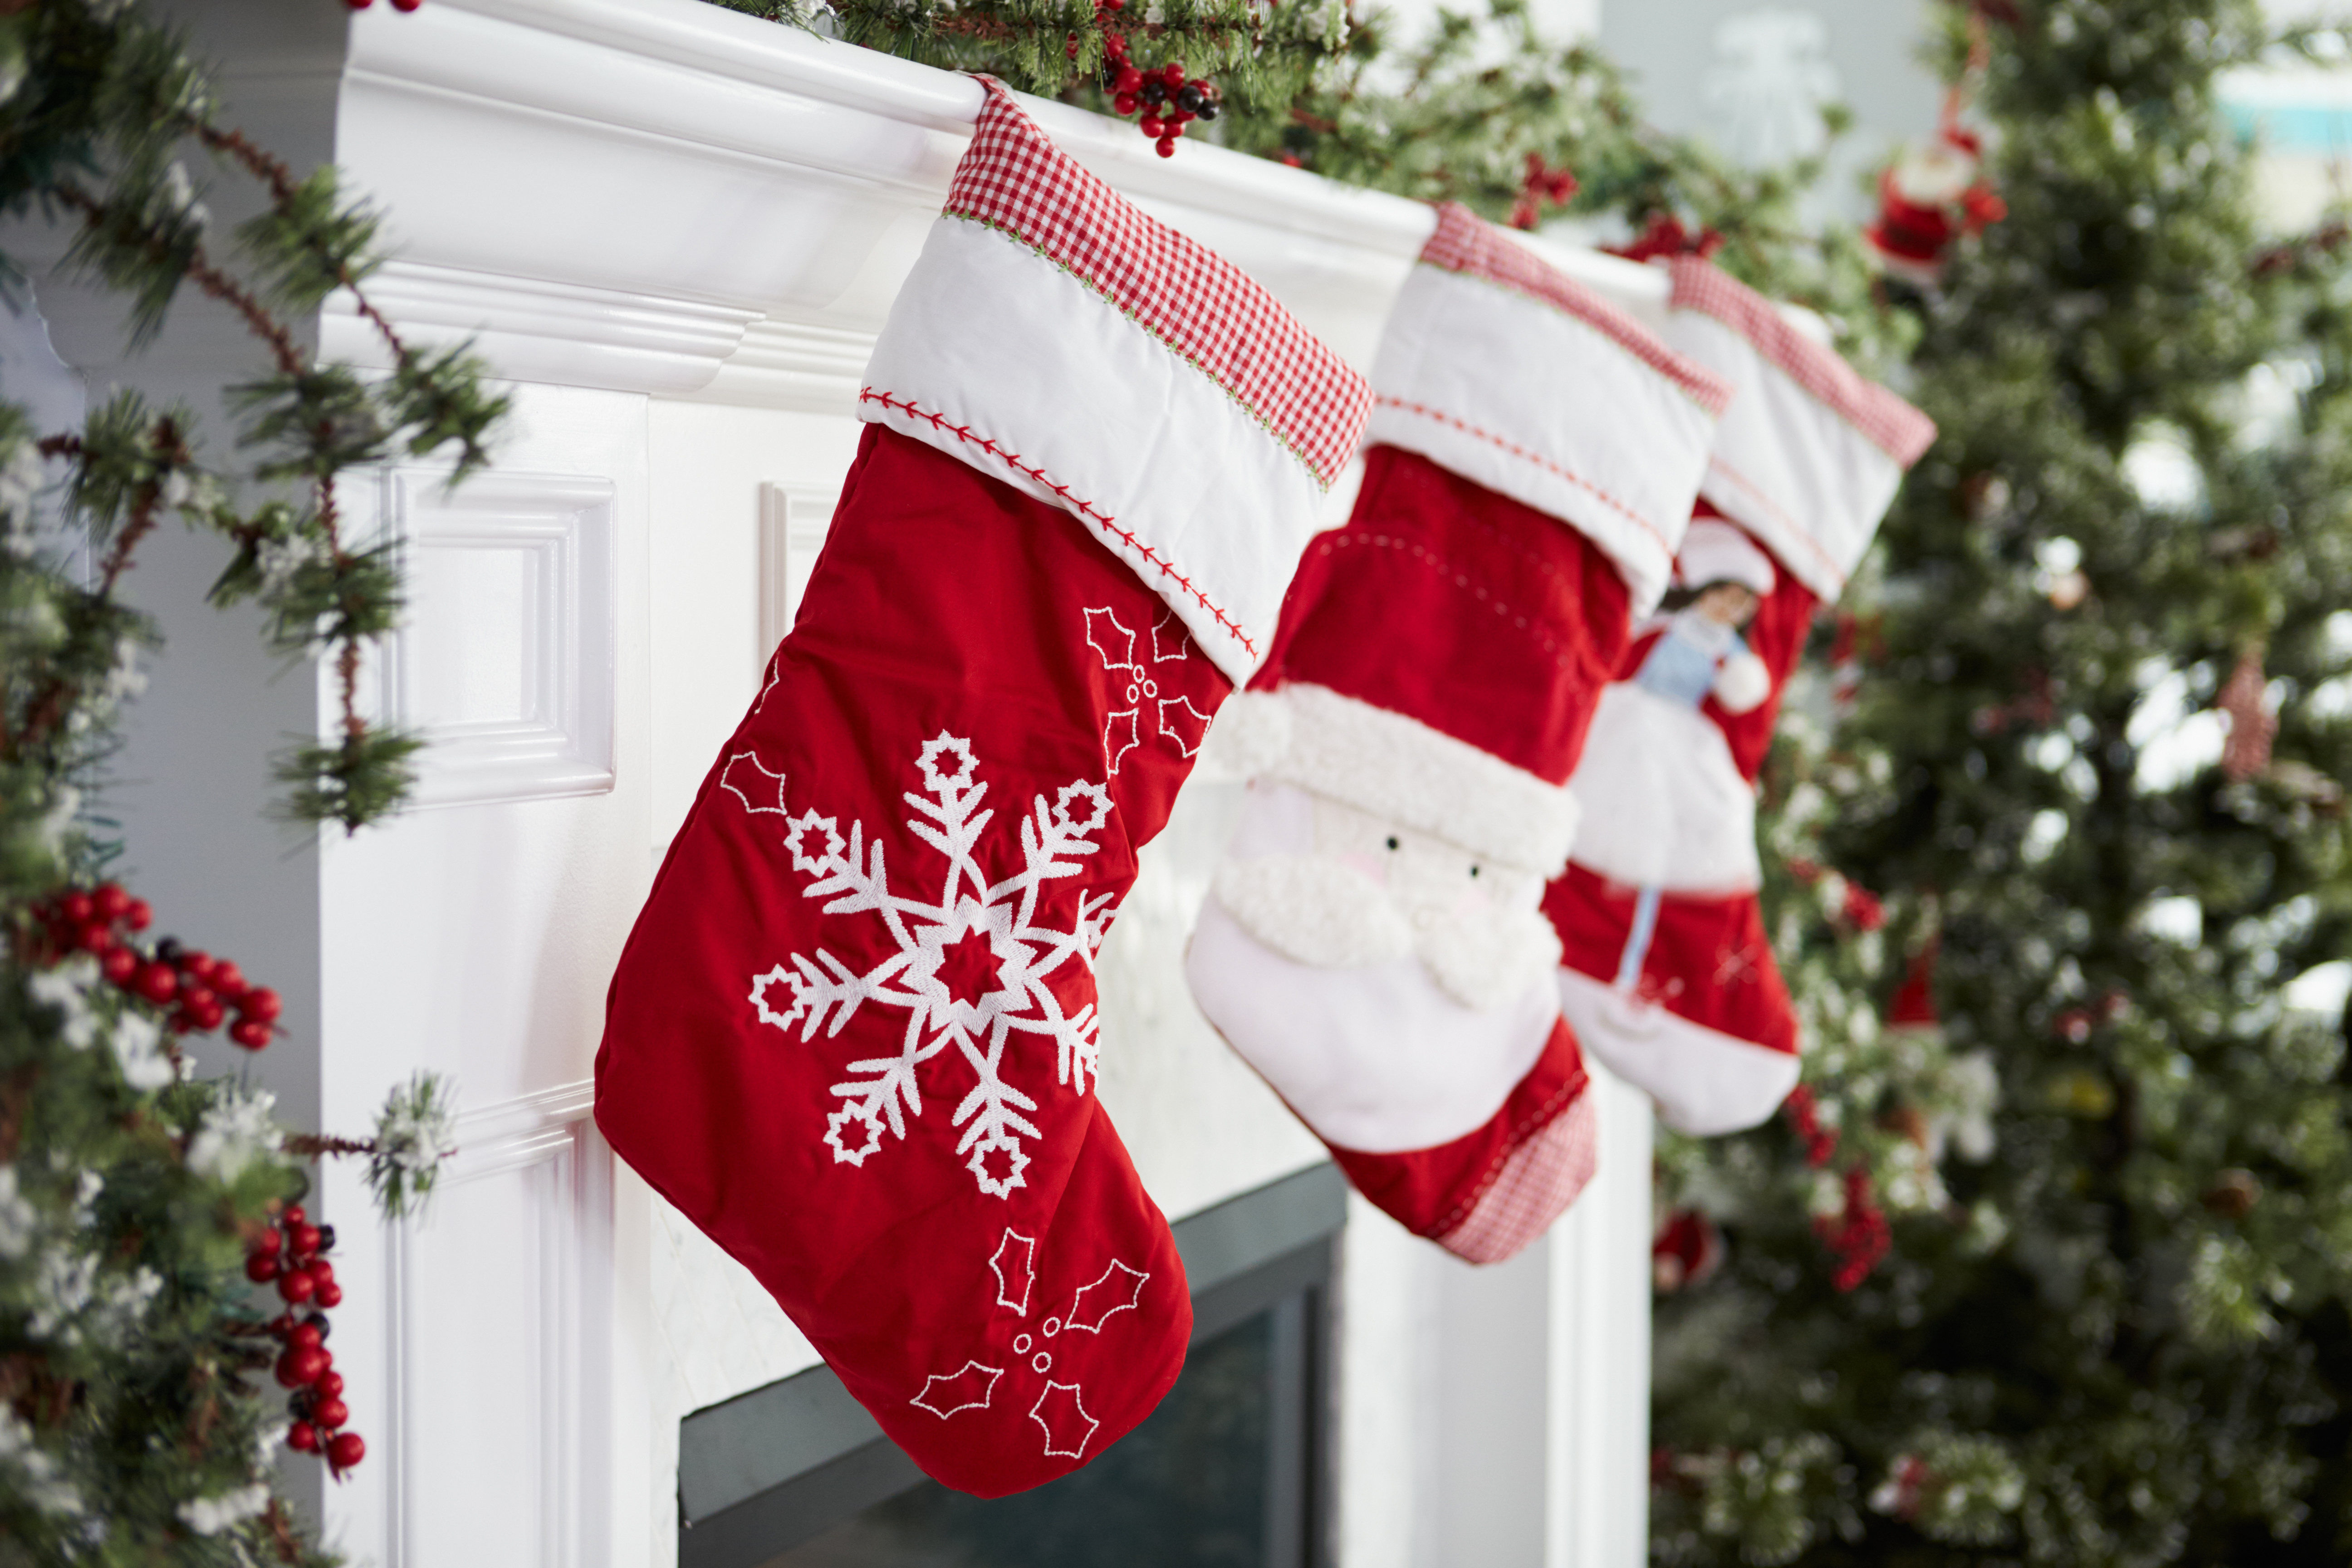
(293, 1253)
(1166, 101)
(201, 990)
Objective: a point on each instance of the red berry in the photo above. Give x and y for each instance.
(407, 6)
(1176, 126)
(328, 1384)
(119, 964)
(303, 1239)
(287, 1368)
(331, 1413)
(75, 907)
(309, 1362)
(1167, 145)
(110, 901)
(268, 1240)
(261, 1268)
(229, 980)
(291, 1214)
(249, 1034)
(1131, 81)
(94, 936)
(207, 1016)
(329, 1295)
(282, 1324)
(261, 1004)
(358, 4)
(347, 1449)
(139, 915)
(1123, 104)
(296, 1286)
(306, 1335)
(321, 1272)
(1114, 4)
(1172, 73)
(303, 1437)
(197, 965)
(158, 981)
(1152, 126)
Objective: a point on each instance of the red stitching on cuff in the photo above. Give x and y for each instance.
(1516, 450)
(1013, 461)
(1797, 531)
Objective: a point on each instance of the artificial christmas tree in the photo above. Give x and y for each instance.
(852, 1035)
(2125, 1338)
(1372, 945)
(1667, 972)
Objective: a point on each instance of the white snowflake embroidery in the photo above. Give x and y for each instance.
(1180, 722)
(972, 970)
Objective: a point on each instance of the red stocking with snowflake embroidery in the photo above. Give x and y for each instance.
(852, 1035)
(1666, 971)
(1372, 945)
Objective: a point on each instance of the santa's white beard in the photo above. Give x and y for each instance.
(1316, 912)
(1374, 1057)
(1392, 1016)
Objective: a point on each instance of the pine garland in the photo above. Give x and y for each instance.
(137, 1420)
(2116, 1335)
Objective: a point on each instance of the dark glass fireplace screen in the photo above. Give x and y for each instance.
(1229, 1472)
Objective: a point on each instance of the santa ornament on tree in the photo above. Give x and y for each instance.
(1934, 192)
(1372, 945)
(854, 1036)
(1667, 973)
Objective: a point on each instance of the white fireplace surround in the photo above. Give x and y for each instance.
(676, 231)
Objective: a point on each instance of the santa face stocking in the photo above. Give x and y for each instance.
(1666, 973)
(852, 1035)
(1372, 945)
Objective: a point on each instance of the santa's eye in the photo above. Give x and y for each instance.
(1473, 871)
(1392, 843)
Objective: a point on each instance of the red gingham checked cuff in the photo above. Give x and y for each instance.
(1055, 337)
(1808, 454)
(1500, 368)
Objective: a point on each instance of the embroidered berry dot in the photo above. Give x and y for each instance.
(1053, 1327)
(1021, 1345)
(1041, 1362)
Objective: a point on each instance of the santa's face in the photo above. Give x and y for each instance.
(1344, 888)
(1393, 988)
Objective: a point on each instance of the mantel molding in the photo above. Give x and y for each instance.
(665, 197)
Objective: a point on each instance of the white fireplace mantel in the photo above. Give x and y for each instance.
(673, 231)
(664, 196)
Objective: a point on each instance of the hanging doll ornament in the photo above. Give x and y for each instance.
(1668, 976)
(1936, 191)
(854, 1036)
(1372, 945)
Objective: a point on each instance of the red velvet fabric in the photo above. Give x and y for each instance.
(1001, 1340)
(1709, 959)
(1494, 623)
(1431, 1192)
(1446, 602)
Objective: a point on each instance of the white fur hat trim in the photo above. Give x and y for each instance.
(1400, 769)
(1717, 551)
